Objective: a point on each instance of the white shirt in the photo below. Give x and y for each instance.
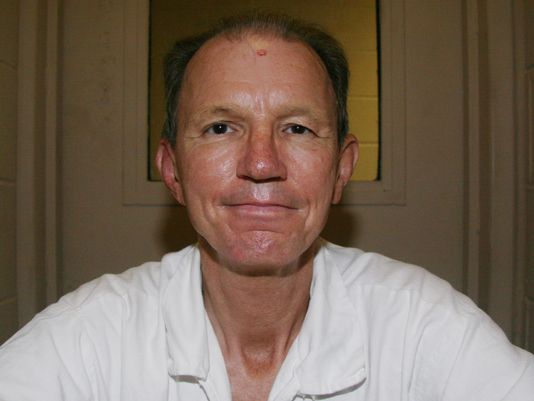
(376, 329)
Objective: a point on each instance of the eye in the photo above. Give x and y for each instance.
(298, 129)
(219, 129)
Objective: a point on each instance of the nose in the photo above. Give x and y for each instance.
(261, 159)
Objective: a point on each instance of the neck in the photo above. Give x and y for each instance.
(256, 317)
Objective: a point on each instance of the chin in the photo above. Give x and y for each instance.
(263, 255)
(259, 253)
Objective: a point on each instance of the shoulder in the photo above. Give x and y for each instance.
(84, 338)
(446, 342)
(420, 309)
(113, 297)
(378, 273)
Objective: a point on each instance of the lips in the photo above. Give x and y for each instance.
(263, 205)
(263, 209)
(251, 211)
(262, 199)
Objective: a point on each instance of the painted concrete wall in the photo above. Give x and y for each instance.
(8, 141)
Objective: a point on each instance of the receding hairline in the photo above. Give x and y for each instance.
(242, 36)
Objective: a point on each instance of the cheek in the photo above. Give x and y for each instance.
(314, 171)
(206, 168)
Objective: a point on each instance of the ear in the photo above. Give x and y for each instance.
(166, 163)
(348, 156)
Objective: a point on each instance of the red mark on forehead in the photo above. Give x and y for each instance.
(261, 52)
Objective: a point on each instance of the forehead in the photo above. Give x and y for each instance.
(261, 63)
(254, 47)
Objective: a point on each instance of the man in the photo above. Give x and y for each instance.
(256, 147)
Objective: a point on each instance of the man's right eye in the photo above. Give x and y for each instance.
(219, 129)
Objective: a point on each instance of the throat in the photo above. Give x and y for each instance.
(256, 357)
(261, 362)
(252, 373)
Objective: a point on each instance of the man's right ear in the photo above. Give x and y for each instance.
(166, 163)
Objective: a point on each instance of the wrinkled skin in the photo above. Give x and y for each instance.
(257, 162)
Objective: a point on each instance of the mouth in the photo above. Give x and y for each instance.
(261, 207)
(261, 201)
(262, 204)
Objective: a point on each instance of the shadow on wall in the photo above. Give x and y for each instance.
(177, 232)
(341, 228)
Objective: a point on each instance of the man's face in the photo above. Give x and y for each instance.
(257, 161)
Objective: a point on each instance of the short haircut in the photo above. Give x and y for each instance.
(276, 25)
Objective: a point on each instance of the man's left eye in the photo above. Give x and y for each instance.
(298, 129)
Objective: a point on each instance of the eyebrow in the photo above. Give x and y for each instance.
(216, 110)
(299, 111)
(209, 112)
(232, 109)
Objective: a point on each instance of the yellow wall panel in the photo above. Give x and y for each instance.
(363, 114)
(366, 168)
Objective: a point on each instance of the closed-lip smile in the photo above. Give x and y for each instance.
(260, 208)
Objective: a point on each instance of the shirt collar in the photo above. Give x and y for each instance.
(330, 343)
(184, 314)
(327, 357)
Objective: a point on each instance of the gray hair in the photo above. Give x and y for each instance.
(276, 25)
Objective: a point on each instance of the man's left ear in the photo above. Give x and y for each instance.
(348, 156)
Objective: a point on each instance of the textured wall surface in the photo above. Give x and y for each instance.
(8, 135)
(529, 73)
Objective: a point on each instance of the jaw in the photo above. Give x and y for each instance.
(258, 254)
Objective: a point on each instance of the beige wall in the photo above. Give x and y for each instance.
(528, 70)
(8, 135)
